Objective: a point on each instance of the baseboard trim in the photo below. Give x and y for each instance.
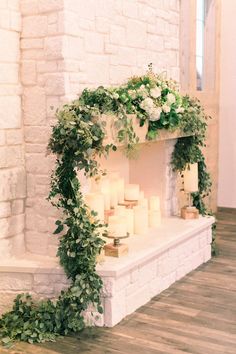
(226, 210)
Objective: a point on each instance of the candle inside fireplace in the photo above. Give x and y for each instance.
(117, 225)
(191, 178)
(132, 192)
(140, 220)
(154, 203)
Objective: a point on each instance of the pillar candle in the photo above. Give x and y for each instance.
(154, 203)
(132, 192)
(143, 202)
(117, 225)
(154, 218)
(113, 194)
(141, 195)
(140, 220)
(95, 201)
(120, 210)
(120, 189)
(129, 213)
(105, 190)
(191, 178)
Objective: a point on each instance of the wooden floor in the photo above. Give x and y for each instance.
(195, 315)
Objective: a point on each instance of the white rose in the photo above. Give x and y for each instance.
(155, 92)
(132, 94)
(142, 91)
(155, 114)
(166, 108)
(147, 104)
(115, 95)
(170, 98)
(180, 110)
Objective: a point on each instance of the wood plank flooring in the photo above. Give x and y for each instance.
(196, 315)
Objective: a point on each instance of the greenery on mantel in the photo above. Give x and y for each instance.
(77, 140)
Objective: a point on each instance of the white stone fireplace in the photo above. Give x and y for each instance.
(155, 260)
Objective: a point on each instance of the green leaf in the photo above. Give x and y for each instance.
(58, 229)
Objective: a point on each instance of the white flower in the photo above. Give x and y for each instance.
(166, 108)
(115, 95)
(170, 98)
(147, 104)
(132, 94)
(155, 92)
(142, 91)
(155, 114)
(180, 110)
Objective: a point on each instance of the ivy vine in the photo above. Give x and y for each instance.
(77, 140)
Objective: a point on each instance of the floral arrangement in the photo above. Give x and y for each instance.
(77, 140)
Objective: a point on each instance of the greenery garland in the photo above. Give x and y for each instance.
(77, 141)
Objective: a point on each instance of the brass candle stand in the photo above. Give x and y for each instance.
(116, 249)
(189, 211)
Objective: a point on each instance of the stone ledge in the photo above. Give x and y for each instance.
(154, 262)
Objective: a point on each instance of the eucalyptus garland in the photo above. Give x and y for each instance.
(77, 140)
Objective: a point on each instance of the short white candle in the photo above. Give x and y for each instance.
(140, 220)
(95, 201)
(154, 218)
(154, 203)
(191, 178)
(117, 225)
(132, 192)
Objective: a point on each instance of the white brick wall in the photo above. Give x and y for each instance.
(12, 173)
(72, 44)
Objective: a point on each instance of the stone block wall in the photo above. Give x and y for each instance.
(12, 172)
(72, 44)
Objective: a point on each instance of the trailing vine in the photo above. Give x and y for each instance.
(78, 140)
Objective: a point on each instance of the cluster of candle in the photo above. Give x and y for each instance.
(128, 209)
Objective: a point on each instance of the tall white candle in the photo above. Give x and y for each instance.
(143, 202)
(140, 220)
(129, 213)
(105, 190)
(95, 201)
(120, 189)
(191, 178)
(141, 195)
(113, 194)
(154, 218)
(117, 225)
(120, 210)
(154, 203)
(132, 192)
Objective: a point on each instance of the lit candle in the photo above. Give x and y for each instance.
(132, 192)
(154, 203)
(191, 178)
(154, 218)
(140, 220)
(117, 225)
(95, 201)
